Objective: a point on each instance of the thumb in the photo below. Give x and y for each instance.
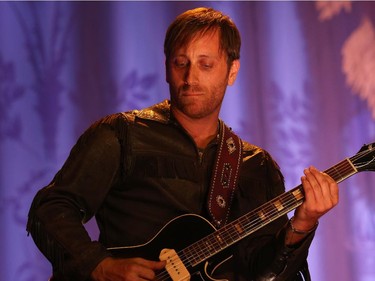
(159, 265)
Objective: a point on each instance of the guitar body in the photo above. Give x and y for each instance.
(177, 234)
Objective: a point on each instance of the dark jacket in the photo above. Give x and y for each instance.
(135, 172)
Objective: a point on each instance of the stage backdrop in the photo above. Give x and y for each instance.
(305, 92)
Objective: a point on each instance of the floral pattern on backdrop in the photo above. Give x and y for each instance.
(305, 92)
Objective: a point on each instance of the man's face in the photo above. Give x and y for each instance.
(198, 75)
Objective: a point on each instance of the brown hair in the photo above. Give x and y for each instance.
(199, 21)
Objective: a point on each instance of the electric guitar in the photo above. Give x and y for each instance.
(189, 243)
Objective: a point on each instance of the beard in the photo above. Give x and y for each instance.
(195, 101)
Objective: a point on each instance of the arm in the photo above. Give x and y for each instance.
(321, 195)
(59, 210)
(276, 251)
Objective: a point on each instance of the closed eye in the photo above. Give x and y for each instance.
(180, 62)
(206, 63)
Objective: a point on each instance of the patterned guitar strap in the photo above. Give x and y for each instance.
(224, 175)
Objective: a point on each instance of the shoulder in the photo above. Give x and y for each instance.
(257, 158)
(261, 172)
(159, 112)
(251, 151)
(118, 121)
(119, 125)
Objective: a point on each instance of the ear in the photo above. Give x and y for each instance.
(235, 67)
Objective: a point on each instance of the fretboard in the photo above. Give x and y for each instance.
(258, 218)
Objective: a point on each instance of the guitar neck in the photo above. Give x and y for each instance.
(258, 218)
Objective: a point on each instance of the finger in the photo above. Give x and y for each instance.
(139, 269)
(151, 264)
(328, 187)
(332, 189)
(321, 180)
(325, 190)
(317, 186)
(317, 176)
(311, 184)
(145, 273)
(147, 268)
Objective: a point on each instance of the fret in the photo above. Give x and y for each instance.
(235, 231)
(261, 215)
(297, 193)
(287, 199)
(213, 246)
(272, 209)
(229, 234)
(205, 248)
(200, 254)
(190, 254)
(219, 239)
(342, 171)
(238, 228)
(278, 205)
(209, 246)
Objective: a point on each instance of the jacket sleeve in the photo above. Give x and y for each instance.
(59, 210)
(264, 255)
(288, 262)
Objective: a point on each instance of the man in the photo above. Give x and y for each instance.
(137, 171)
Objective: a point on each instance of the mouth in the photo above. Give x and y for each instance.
(191, 91)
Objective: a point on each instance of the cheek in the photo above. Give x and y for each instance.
(173, 76)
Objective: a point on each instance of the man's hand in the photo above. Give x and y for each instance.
(321, 195)
(134, 269)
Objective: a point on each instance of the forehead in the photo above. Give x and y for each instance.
(201, 42)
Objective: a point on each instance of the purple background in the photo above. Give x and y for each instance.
(305, 92)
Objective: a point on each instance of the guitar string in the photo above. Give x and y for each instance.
(293, 202)
(213, 241)
(268, 210)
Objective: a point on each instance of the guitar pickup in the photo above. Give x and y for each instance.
(175, 267)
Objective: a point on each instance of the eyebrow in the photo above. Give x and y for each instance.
(199, 56)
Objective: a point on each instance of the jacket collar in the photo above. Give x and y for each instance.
(160, 112)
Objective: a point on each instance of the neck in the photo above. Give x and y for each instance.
(202, 130)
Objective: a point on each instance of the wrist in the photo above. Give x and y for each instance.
(99, 271)
(299, 231)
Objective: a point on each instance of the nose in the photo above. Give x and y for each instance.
(191, 75)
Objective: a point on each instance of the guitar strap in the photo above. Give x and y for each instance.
(224, 177)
